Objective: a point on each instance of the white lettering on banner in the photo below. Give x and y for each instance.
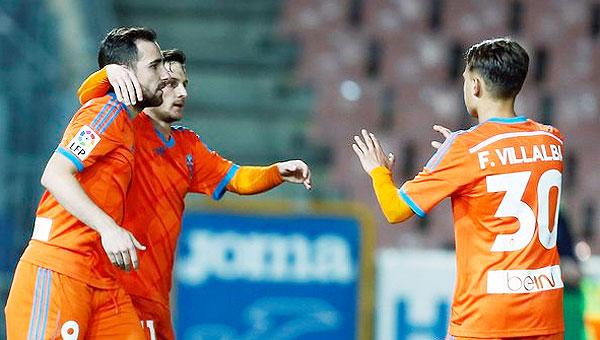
(265, 257)
(523, 281)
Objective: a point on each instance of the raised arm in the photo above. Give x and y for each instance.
(444, 131)
(393, 207)
(378, 165)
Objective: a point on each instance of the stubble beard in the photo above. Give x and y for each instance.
(151, 101)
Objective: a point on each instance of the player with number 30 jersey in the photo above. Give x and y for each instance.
(504, 179)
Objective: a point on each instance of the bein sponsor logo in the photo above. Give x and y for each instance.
(264, 257)
(524, 281)
(530, 282)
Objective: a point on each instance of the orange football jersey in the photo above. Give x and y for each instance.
(166, 170)
(99, 141)
(504, 180)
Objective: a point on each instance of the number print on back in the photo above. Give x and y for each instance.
(514, 184)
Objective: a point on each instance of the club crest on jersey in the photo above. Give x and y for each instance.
(84, 142)
(189, 160)
(160, 151)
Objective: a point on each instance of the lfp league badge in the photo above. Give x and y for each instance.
(84, 142)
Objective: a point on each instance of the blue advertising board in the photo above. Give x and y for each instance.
(252, 276)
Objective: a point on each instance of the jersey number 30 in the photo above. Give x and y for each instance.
(514, 184)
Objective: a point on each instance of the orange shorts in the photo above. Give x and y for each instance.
(155, 317)
(43, 304)
(558, 336)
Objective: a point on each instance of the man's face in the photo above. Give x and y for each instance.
(174, 95)
(150, 72)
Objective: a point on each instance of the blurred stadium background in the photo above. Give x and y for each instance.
(273, 80)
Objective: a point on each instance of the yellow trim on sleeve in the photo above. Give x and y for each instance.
(250, 180)
(393, 207)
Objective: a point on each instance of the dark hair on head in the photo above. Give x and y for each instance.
(502, 63)
(118, 47)
(174, 55)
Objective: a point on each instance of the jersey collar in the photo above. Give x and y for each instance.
(168, 143)
(512, 120)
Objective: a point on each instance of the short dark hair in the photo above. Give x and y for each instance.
(174, 55)
(118, 47)
(502, 63)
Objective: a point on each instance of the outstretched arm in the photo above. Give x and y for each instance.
(378, 165)
(250, 180)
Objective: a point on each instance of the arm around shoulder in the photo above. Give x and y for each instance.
(94, 86)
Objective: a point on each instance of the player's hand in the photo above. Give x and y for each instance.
(125, 83)
(444, 131)
(295, 171)
(370, 153)
(120, 245)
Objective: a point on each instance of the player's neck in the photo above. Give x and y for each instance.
(496, 109)
(132, 111)
(163, 127)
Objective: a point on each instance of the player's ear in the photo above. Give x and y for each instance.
(130, 66)
(476, 86)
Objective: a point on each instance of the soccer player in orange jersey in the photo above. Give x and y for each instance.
(65, 285)
(504, 179)
(172, 161)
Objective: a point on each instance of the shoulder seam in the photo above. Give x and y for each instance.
(113, 117)
(184, 130)
(107, 112)
(436, 159)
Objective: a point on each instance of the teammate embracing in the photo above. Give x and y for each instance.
(170, 162)
(504, 178)
(65, 285)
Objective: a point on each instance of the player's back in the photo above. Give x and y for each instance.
(508, 280)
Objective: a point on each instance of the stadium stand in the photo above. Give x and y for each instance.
(277, 79)
(421, 46)
(244, 101)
